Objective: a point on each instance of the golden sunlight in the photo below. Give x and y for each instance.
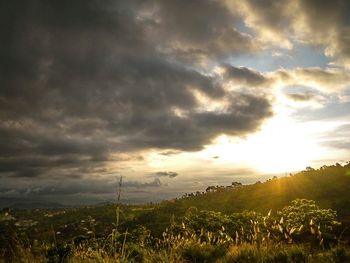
(283, 145)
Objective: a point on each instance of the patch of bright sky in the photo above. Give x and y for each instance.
(273, 59)
(241, 26)
(282, 145)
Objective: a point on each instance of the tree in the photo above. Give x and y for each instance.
(309, 169)
(236, 184)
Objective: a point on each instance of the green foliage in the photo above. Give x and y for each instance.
(303, 219)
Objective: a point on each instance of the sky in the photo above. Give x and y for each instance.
(173, 96)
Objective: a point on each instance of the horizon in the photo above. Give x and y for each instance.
(119, 197)
(173, 96)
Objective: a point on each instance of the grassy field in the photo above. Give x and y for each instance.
(241, 223)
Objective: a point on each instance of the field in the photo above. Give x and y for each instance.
(299, 218)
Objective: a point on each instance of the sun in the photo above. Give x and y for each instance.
(282, 145)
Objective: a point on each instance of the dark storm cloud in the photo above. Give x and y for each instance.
(166, 130)
(201, 29)
(83, 80)
(243, 75)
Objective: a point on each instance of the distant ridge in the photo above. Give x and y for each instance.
(20, 204)
(329, 186)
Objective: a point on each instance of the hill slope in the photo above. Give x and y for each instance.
(329, 186)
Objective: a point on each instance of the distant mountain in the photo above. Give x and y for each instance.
(20, 203)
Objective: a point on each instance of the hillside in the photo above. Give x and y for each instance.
(329, 186)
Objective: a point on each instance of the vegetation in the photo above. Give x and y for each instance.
(196, 228)
(329, 186)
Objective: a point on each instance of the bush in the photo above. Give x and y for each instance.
(305, 221)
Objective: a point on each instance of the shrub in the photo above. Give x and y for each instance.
(305, 221)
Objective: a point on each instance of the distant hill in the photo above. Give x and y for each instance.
(329, 186)
(20, 204)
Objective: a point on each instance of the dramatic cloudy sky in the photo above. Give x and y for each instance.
(172, 95)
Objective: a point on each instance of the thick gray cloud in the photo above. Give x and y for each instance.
(244, 76)
(200, 29)
(84, 81)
